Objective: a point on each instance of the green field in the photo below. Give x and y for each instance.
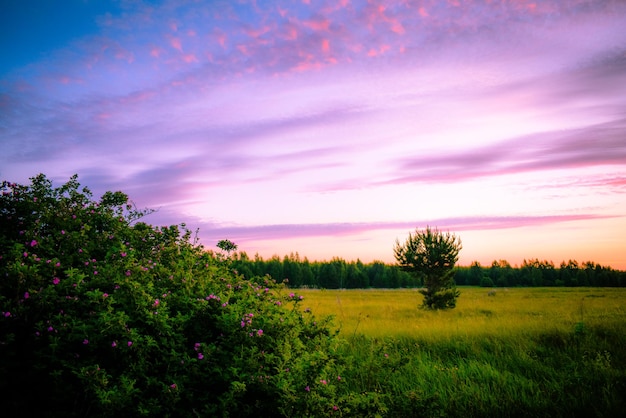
(479, 312)
(518, 352)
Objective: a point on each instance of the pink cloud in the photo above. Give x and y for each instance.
(66, 79)
(308, 64)
(325, 45)
(137, 97)
(375, 52)
(317, 24)
(176, 44)
(155, 51)
(291, 33)
(221, 38)
(397, 27)
(257, 32)
(125, 55)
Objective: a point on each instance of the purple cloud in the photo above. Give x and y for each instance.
(596, 145)
(286, 231)
(302, 115)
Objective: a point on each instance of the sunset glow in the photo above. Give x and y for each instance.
(331, 128)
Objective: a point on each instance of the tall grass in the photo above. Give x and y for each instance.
(518, 352)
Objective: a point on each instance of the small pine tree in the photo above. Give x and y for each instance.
(431, 254)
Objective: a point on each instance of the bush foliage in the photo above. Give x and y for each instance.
(102, 315)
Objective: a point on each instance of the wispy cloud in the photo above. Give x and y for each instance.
(595, 145)
(287, 231)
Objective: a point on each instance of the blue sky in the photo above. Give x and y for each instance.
(331, 128)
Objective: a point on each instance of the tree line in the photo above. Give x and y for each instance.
(334, 274)
(540, 273)
(341, 274)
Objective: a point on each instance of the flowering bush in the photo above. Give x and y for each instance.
(102, 314)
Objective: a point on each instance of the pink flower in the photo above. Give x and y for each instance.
(200, 356)
(33, 243)
(308, 389)
(7, 314)
(63, 232)
(56, 281)
(323, 382)
(156, 303)
(26, 295)
(105, 295)
(85, 341)
(130, 343)
(259, 332)
(123, 254)
(128, 272)
(113, 344)
(58, 264)
(335, 407)
(173, 385)
(95, 272)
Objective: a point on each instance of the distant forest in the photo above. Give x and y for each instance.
(340, 274)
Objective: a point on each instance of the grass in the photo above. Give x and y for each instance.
(521, 352)
(387, 313)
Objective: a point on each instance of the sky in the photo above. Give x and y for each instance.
(332, 128)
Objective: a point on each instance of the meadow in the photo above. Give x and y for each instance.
(480, 312)
(103, 316)
(502, 352)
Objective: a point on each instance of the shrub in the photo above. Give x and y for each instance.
(103, 315)
(432, 254)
